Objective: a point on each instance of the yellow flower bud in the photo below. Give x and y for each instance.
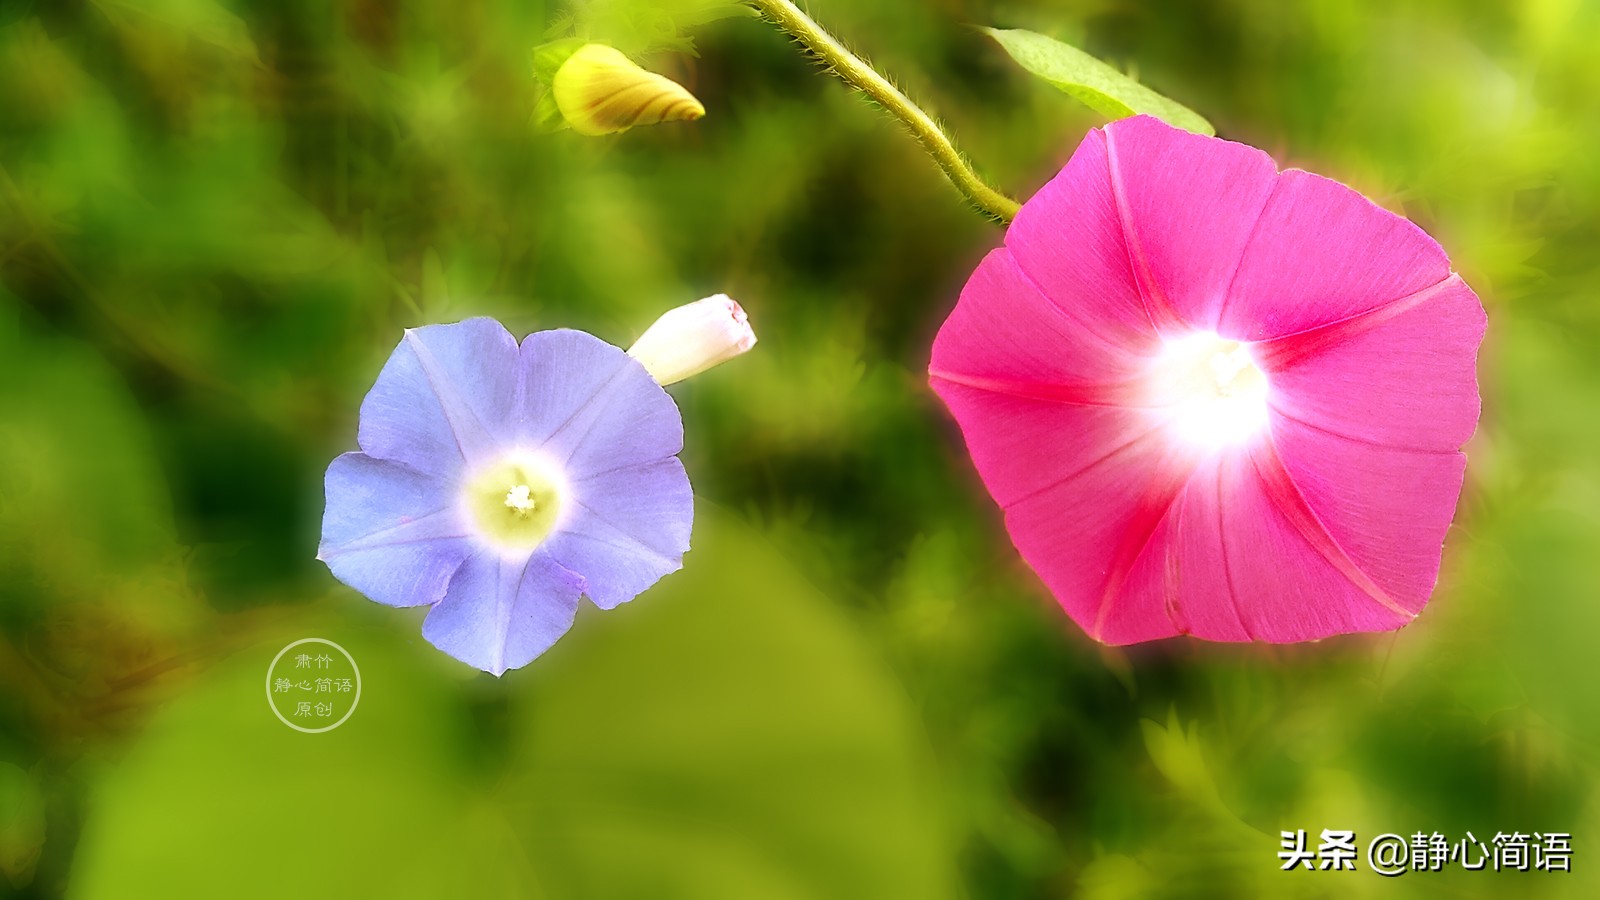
(692, 338)
(600, 91)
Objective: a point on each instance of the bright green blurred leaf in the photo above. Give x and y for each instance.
(204, 20)
(726, 735)
(548, 57)
(84, 510)
(220, 795)
(22, 824)
(1177, 753)
(547, 115)
(767, 753)
(1092, 82)
(636, 27)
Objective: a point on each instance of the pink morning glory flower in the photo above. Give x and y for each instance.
(497, 482)
(1213, 398)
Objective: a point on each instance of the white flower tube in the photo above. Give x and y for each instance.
(692, 338)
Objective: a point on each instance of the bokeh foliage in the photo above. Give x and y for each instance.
(215, 218)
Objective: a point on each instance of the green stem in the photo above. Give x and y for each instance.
(861, 76)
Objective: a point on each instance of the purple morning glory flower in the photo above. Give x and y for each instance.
(498, 483)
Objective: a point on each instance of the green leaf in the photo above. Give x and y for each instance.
(22, 824)
(72, 514)
(638, 28)
(547, 115)
(549, 56)
(15, 11)
(1095, 84)
(379, 807)
(203, 20)
(726, 736)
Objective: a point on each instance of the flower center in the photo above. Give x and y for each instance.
(1213, 384)
(520, 498)
(515, 502)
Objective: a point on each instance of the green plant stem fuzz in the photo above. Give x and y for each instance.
(515, 502)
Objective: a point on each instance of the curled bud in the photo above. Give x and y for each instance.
(600, 91)
(693, 338)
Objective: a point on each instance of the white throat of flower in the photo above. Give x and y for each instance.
(1211, 388)
(514, 503)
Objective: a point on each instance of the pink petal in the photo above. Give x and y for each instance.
(1023, 445)
(1322, 252)
(1292, 580)
(1082, 533)
(1006, 335)
(1387, 510)
(1179, 582)
(1240, 556)
(1040, 385)
(1331, 520)
(1403, 375)
(1068, 238)
(1188, 205)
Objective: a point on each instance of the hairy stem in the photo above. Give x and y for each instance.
(861, 76)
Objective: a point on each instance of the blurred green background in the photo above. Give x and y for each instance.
(218, 215)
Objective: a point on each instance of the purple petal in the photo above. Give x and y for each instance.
(592, 407)
(445, 397)
(391, 532)
(501, 613)
(625, 529)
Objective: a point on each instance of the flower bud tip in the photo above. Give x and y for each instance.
(601, 91)
(694, 337)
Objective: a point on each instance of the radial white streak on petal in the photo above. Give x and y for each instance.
(592, 408)
(390, 531)
(441, 524)
(471, 437)
(501, 613)
(627, 530)
(587, 418)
